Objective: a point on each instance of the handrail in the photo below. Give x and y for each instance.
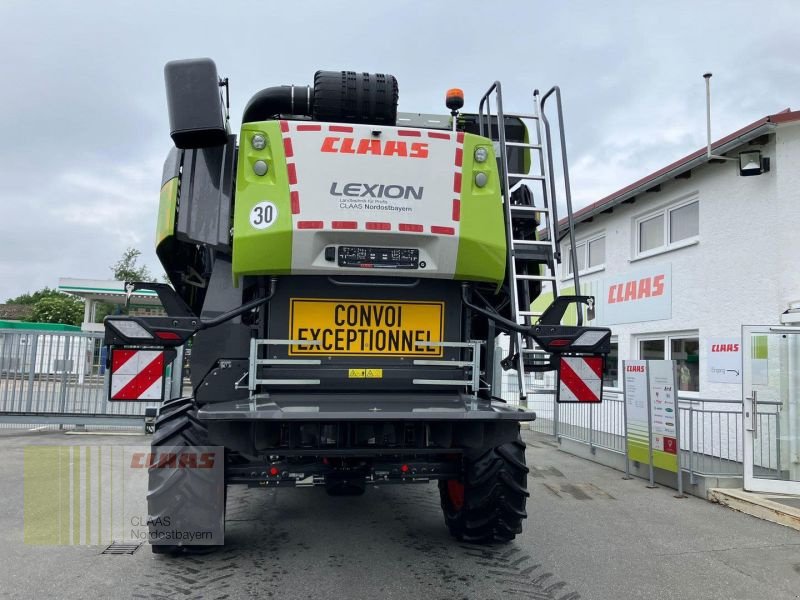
(567, 190)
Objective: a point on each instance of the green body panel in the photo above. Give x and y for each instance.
(482, 237)
(259, 251)
(166, 210)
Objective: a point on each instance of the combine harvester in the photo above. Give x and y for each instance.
(344, 271)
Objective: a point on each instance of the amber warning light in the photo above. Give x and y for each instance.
(454, 100)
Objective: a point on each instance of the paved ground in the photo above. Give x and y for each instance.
(590, 535)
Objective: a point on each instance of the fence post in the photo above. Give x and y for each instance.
(33, 349)
(778, 442)
(691, 443)
(555, 417)
(62, 401)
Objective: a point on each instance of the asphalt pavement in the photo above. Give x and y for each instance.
(590, 535)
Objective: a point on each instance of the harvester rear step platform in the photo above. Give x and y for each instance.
(350, 407)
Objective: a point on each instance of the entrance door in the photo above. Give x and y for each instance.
(771, 393)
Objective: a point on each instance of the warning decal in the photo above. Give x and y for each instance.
(359, 328)
(580, 379)
(136, 374)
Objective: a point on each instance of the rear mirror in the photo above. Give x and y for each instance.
(196, 114)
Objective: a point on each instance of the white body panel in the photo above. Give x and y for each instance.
(362, 185)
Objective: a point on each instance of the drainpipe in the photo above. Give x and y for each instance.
(709, 155)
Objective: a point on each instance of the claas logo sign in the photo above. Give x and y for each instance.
(637, 289)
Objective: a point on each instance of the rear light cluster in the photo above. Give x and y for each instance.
(133, 331)
(167, 335)
(130, 329)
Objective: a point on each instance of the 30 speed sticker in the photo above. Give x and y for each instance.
(263, 215)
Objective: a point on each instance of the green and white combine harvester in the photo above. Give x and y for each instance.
(344, 273)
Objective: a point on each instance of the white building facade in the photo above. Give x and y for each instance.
(681, 259)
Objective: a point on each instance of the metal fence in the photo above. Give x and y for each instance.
(711, 429)
(59, 378)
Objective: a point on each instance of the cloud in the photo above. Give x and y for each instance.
(84, 119)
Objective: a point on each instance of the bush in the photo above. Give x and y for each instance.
(59, 308)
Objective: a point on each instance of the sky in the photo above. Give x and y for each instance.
(83, 117)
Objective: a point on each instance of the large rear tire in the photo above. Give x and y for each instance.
(489, 504)
(175, 490)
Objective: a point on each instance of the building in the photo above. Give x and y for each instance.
(681, 259)
(96, 291)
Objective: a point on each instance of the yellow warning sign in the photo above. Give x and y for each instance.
(358, 328)
(365, 373)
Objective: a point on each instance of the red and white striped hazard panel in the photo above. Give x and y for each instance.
(580, 379)
(136, 374)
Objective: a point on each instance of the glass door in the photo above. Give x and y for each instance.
(771, 395)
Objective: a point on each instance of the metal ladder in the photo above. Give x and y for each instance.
(526, 254)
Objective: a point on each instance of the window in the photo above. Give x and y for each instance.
(670, 228)
(684, 349)
(651, 350)
(684, 222)
(591, 255)
(611, 372)
(651, 233)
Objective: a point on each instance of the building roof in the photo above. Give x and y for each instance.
(728, 143)
(15, 312)
(106, 291)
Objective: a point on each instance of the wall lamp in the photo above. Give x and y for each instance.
(752, 163)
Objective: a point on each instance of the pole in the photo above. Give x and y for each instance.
(652, 484)
(625, 423)
(707, 77)
(677, 427)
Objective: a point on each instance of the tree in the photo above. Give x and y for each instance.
(59, 308)
(51, 306)
(103, 309)
(29, 299)
(125, 268)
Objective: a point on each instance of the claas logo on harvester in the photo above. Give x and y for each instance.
(375, 147)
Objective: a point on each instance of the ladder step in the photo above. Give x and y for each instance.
(523, 145)
(536, 254)
(527, 210)
(537, 278)
(523, 208)
(525, 176)
(532, 243)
